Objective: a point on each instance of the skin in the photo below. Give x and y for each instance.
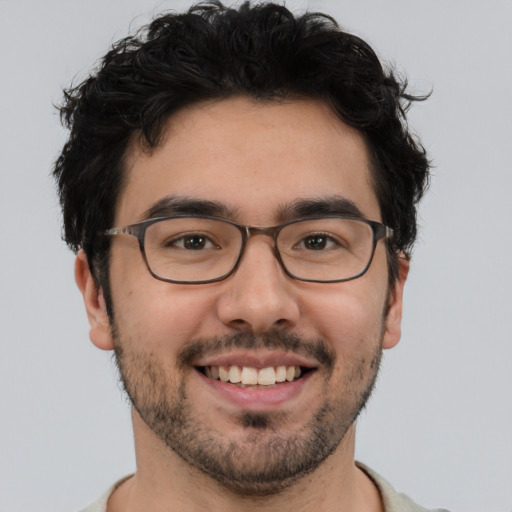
(253, 158)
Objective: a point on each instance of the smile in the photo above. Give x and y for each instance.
(250, 376)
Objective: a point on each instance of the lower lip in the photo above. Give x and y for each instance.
(257, 399)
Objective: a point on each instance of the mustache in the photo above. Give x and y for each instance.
(272, 340)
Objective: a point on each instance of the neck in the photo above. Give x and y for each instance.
(164, 482)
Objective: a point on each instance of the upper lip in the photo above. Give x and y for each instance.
(256, 359)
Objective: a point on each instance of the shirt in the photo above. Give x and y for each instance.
(393, 501)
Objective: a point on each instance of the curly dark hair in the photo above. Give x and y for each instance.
(213, 52)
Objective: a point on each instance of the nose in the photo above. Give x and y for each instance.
(259, 296)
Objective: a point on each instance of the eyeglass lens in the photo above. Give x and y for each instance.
(196, 249)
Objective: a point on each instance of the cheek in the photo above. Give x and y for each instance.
(154, 314)
(350, 315)
(164, 317)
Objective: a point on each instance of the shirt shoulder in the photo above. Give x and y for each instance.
(100, 505)
(393, 500)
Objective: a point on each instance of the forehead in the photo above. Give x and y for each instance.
(254, 158)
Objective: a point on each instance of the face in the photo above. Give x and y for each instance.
(257, 163)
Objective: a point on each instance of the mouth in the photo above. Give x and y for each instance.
(252, 377)
(258, 380)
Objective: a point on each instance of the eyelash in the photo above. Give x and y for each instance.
(182, 240)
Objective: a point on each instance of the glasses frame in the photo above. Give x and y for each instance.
(138, 230)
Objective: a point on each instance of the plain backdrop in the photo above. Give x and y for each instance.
(439, 424)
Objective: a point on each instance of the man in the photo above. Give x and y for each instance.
(241, 189)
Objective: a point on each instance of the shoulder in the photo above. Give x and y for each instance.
(393, 500)
(100, 505)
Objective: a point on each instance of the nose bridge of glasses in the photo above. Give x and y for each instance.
(271, 232)
(253, 231)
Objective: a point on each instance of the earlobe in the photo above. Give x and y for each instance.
(99, 325)
(393, 322)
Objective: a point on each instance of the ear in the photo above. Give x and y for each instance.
(94, 301)
(393, 322)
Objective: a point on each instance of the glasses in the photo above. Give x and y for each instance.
(196, 250)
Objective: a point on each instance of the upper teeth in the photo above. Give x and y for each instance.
(247, 375)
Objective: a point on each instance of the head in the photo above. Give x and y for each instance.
(212, 52)
(261, 113)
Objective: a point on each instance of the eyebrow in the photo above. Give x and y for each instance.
(182, 205)
(300, 208)
(317, 207)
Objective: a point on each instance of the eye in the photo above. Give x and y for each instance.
(193, 242)
(317, 242)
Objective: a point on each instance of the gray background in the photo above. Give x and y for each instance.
(439, 424)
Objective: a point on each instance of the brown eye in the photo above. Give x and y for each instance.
(195, 242)
(316, 242)
(192, 242)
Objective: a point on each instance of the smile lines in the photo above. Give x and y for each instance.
(249, 376)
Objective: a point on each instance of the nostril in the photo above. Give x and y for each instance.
(240, 324)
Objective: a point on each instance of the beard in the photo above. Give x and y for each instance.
(267, 456)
